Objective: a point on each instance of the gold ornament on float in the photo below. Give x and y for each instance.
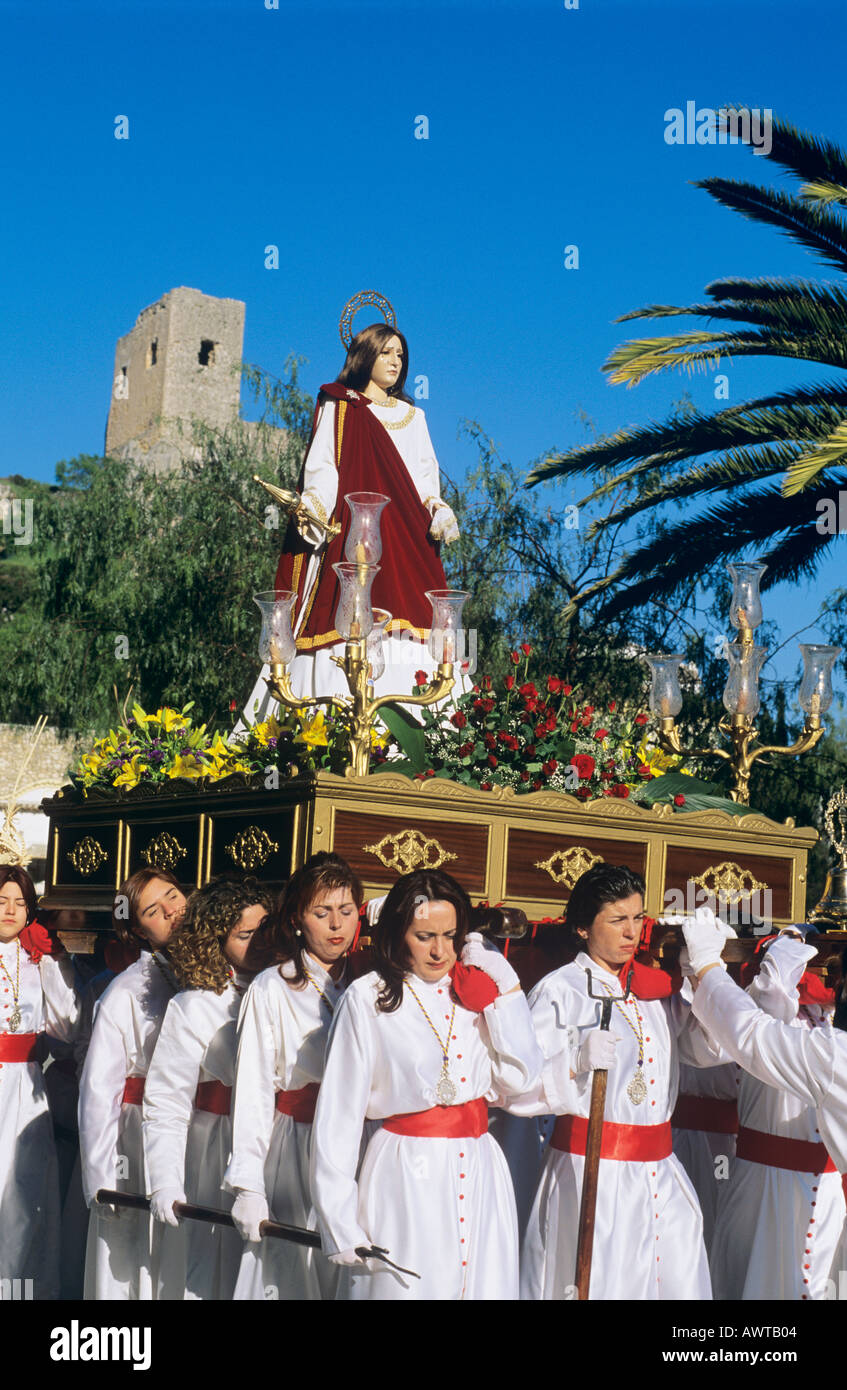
(163, 851)
(729, 882)
(567, 865)
(251, 848)
(87, 855)
(408, 850)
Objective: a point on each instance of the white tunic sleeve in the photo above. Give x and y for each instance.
(516, 1059)
(424, 473)
(339, 1120)
(320, 475)
(61, 1001)
(809, 1063)
(101, 1090)
(169, 1093)
(557, 1039)
(256, 1071)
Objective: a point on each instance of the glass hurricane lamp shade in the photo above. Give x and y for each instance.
(446, 637)
(665, 694)
(376, 644)
(364, 542)
(745, 608)
(354, 614)
(276, 641)
(815, 695)
(741, 692)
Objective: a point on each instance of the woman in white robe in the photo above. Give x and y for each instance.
(37, 995)
(127, 1020)
(779, 1226)
(648, 1232)
(705, 1123)
(186, 1122)
(282, 1036)
(434, 1188)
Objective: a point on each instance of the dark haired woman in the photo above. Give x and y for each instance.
(423, 1044)
(368, 436)
(36, 995)
(186, 1112)
(127, 1019)
(282, 1035)
(648, 1233)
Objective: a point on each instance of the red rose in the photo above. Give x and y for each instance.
(421, 678)
(584, 764)
(540, 730)
(528, 689)
(536, 785)
(621, 790)
(589, 709)
(526, 649)
(485, 786)
(612, 706)
(551, 723)
(509, 682)
(524, 775)
(515, 658)
(430, 772)
(492, 761)
(488, 706)
(490, 740)
(530, 750)
(600, 734)
(641, 719)
(458, 720)
(554, 685)
(549, 767)
(586, 720)
(531, 705)
(644, 770)
(233, 705)
(574, 726)
(465, 749)
(679, 799)
(583, 793)
(486, 682)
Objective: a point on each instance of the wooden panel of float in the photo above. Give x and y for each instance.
(525, 850)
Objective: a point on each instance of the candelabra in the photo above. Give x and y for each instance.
(741, 694)
(363, 629)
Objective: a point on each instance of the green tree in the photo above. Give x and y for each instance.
(145, 582)
(767, 463)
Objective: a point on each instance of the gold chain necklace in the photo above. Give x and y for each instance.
(637, 1086)
(445, 1090)
(399, 424)
(313, 982)
(15, 1015)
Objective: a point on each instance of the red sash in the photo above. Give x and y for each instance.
(133, 1090)
(630, 1143)
(775, 1151)
(19, 1047)
(300, 1105)
(213, 1097)
(707, 1114)
(367, 461)
(468, 1121)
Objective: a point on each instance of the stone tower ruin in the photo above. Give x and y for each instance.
(181, 361)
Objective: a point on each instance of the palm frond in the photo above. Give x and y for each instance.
(813, 227)
(825, 193)
(831, 453)
(632, 362)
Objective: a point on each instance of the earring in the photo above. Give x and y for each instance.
(297, 931)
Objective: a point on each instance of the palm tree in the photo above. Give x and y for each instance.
(774, 458)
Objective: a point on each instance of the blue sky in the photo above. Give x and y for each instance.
(295, 126)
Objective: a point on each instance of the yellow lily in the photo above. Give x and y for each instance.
(313, 732)
(130, 775)
(186, 765)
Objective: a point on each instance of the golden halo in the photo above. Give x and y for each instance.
(379, 301)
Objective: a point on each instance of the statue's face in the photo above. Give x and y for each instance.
(388, 365)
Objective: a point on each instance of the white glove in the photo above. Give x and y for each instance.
(597, 1053)
(373, 907)
(249, 1210)
(478, 952)
(162, 1204)
(705, 935)
(347, 1257)
(444, 526)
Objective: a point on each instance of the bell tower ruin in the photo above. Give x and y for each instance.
(181, 361)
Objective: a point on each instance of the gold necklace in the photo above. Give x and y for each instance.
(637, 1086)
(312, 981)
(445, 1090)
(400, 424)
(390, 402)
(15, 1015)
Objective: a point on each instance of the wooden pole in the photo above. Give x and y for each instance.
(588, 1204)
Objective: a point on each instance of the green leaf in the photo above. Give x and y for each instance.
(408, 733)
(699, 795)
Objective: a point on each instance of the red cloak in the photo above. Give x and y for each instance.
(367, 461)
